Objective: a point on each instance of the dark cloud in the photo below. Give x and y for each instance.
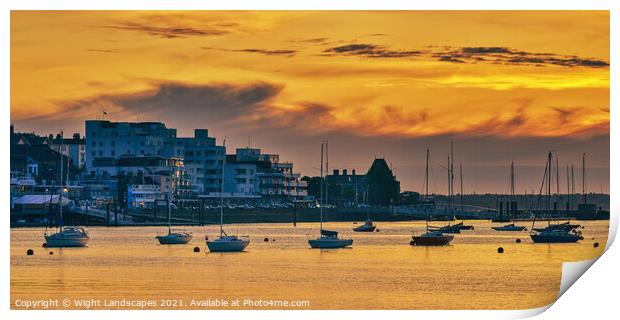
(171, 31)
(505, 55)
(369, 50)
(279, 52)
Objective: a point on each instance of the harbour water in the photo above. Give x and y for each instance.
(380, 271)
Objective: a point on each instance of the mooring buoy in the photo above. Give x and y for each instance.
(51, 253)
(274, 239)
(500, 250)
(196, 249)
(518, 241)
(595, 245)
(29, 252)
(266, 240)
(44, 245)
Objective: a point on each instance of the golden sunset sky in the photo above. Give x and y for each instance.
(504, 85)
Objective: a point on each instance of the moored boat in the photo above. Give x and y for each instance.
(509, 227)
(368, 226)
(67, 237)
(431, 238)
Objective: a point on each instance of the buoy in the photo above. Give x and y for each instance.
(274, 239)
(518, 240)
(51, 253)
(207, 238)
(44, 245)
(500, 250)
(29, 252)
(595, 244)
(266, 240)
(377, 230)
(196, 249)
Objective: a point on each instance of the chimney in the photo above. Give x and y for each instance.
(353, 173)
(336, 172)
(344, 172)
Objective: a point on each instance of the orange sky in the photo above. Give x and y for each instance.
(395, 75)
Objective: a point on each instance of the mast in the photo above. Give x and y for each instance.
(451, 171)
(426, 176)
(326, 171)
(549, 189)
(512, 187)
(62, 189)
(567, 189)
(321, 199)
(168, 210)
(583, 178)
(449, 187)
(222, 192)
(461, 176)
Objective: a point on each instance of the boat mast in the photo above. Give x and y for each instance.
(461, 176)
(168, 210)
(326, 171)
(583, 178)
(567, 190)
(549, 189)
(222, 192)
(512, 186)
(61, 223)
(426, 182)
(321, 199)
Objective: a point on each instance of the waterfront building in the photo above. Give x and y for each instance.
(249, 172)
(383, 188)
(74, 148)
(113, 140)
(346, 189)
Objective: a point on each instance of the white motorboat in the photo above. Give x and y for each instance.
(67, 237)
(328, 239)
(226, 243)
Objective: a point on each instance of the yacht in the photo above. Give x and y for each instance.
(225, 243)
(67, 237)
(328, 239)
(509, 227)
(174, 236)
(431, 237)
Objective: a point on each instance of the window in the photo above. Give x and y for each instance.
(94, 144)
(101, 153)
(101, 143)
(94, 153)
(113, 143)
(113, 153)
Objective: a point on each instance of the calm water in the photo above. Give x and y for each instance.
(380, 271)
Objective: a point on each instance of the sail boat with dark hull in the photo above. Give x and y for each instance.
(511, 226)
(328, 239)
(64, 236)
(431, 237)
(173, 236)
(553, 233)
(225, 243)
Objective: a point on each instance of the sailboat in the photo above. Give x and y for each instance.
(328, 239)
(553, 234)
(431, 237)
(174, 236)
(511, 226)
(65, 236)
(226, 243)
(461, 225)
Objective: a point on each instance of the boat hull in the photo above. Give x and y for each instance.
(521, 228)
(227, 246)
(174, 239)
(59, 242)
(431, 241)
(569, 238)
(364, 229)
(330, 243)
